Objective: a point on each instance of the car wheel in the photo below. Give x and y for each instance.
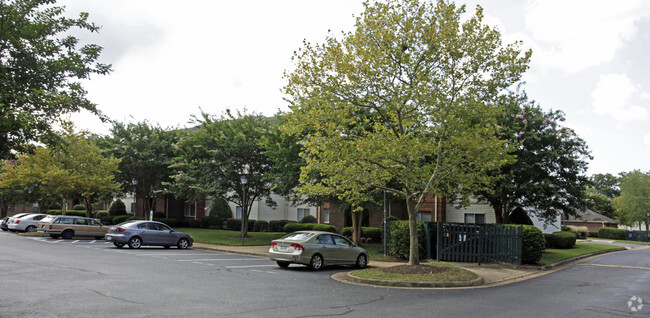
(362, 261)
(167, 246)
(135, 242)
(183, 243)
(5, 230)
(30, 228)
(54, 236)
(67, 234)
(316, 262)
(118, 245)
(99, 237)
(283, 264)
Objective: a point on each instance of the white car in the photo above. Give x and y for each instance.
(6, 221)
(26, 223)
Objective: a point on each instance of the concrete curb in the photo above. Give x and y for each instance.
(387, 283)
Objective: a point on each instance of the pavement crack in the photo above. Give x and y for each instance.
(116, 298)
(348, 308)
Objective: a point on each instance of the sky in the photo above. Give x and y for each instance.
(172, 61)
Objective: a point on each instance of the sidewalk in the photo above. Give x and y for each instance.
(492, 274)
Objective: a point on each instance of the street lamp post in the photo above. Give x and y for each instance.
(244, 182)
(647, 226)
(134, 182)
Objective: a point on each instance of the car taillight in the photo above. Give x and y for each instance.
(17, 221)
(119, 229)
(297, 247)
(274, 244)
(50, 227)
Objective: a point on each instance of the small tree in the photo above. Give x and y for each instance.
(634, 202)
(117, 208)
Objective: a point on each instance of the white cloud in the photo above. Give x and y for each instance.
(617, 96)
(646, 139)
(578, 34)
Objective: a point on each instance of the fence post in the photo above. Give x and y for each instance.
(427, 234)
(438, 239)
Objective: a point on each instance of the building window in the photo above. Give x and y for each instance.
(302, 212)
(190, 209)
(35, 207)
(133, 207)
(474, 218)
(238, 212)
(10, 208)
(326, 215)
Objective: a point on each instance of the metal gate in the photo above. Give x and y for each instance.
(478, 243)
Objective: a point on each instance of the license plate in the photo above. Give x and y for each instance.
(283, 248)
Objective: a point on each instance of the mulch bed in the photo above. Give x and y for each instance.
(415, 269)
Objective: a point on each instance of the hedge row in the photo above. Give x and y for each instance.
(580, 231)
(293, 227)
(562, 240)
(375, 234)
(399, 240)
(612, 233)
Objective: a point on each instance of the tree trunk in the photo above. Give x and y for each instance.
(356, 226)
(414, 251)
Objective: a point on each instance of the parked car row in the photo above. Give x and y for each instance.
(135, 233)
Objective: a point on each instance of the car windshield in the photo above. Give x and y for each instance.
(297, 236)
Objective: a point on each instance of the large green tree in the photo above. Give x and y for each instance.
(634, 203)
(212, 159)
(146, 152)
(75, 168)
(41, 63)
(548, 176)
(405, 103)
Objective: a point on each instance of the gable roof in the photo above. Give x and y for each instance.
(590, 216)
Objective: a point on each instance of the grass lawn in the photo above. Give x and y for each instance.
(449, 273)
(376, 253)
(227, 237)
(555, 255)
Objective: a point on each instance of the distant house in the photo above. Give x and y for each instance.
(592, 220)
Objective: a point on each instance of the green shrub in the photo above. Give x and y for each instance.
(74, 213)
(292, 227)
(391, 218)
(278, 225)
(101, 214)
(210, 222)
(54, 206)
(251, 224)
(565, 228)
(592, 234)
(612, 233)
(375, 234)
(325, 228)
(220, 210)
(309, 219)
(563, 239)
(121, 218)
(260, 226)
(108, 220)
(233, 224)
(79, 207)
(117, 208)
(399, 241)
(533, 244)
(579, 231)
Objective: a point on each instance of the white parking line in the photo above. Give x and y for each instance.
(251, 266)
(220, 259)
(75, 241)
(165, 254)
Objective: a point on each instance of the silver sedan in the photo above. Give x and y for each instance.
(317, 249)
(140, 233)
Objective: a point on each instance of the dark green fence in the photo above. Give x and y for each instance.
(476, 243)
